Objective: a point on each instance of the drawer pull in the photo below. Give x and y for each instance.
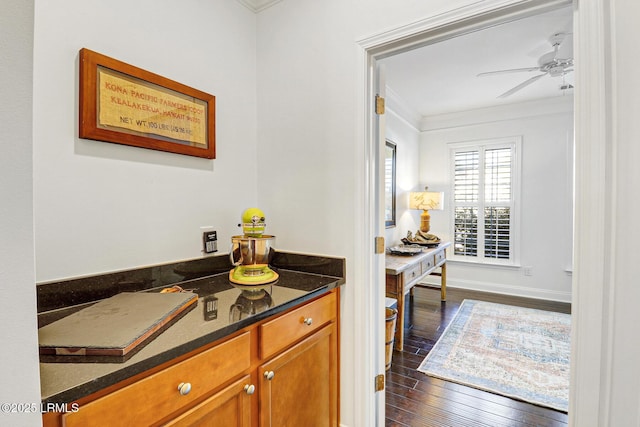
(250, 389)
(184, 388)
(307, 321)
(269, 375)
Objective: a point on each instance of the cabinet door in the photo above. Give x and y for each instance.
(230, 407)
(300, 386)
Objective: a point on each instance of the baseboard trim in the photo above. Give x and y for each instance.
(498, 288)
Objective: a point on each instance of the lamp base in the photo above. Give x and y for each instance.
(425, 221)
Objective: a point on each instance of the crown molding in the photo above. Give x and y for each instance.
(532, 108)
(258, 5)
(396, 104)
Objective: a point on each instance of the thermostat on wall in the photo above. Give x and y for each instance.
(210, 241)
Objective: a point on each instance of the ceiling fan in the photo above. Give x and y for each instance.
(556, 63)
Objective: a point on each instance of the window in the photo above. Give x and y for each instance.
(484, 188)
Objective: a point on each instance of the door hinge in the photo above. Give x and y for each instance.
(380, 382)
(379, 104)
(379, 245)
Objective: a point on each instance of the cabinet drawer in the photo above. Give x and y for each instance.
(153, 398)
(440, 256)
(279, 333)
(428, 264)
(412, 274)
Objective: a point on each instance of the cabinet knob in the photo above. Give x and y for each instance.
(250, 388)
(269, 375)
(308, 321)
(184, 388)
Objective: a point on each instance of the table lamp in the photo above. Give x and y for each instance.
(426, 200)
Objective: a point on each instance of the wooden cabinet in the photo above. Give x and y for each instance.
(159, 395)
(232, 404)
(299, 387)
(281, 332)
(280, 372)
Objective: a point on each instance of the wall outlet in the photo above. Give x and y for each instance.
(528, 271)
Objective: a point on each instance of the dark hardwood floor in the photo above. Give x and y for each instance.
(415, 399)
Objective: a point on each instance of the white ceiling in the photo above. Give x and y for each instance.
(442, 77)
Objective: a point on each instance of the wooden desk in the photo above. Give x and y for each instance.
(404, 272)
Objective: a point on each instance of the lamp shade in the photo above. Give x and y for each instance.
(426, 200)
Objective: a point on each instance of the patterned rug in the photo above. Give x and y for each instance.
(512, 351)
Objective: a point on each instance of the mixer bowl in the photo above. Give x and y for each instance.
(251, 252)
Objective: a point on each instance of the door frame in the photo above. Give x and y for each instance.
(589, 398)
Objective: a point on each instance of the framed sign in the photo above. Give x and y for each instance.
(124, 104)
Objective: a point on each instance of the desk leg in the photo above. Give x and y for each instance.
(399, 339)
(443, 282)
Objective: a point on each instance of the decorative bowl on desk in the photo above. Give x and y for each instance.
(405, 250)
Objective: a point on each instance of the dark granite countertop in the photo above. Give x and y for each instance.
(302, 277)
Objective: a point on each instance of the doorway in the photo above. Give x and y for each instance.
(433, 31)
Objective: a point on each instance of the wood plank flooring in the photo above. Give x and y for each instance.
(414, 399)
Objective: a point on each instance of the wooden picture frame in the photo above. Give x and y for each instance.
(123, 104)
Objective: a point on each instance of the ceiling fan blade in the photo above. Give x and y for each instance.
(521, 85)
(513, 70)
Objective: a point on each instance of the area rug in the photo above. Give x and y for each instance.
(517, 352)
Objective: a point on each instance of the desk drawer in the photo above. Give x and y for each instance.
(412, 274)
(280, 333)
(440, 257)
(155, 397)
(428, 264)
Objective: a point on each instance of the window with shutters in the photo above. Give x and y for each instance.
(485, 181)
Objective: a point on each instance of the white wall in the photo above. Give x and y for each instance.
(546, 128)
(310, 60)
(308, 141)
(623, 292)
(103, 207)
(312, 147)
(19, 358)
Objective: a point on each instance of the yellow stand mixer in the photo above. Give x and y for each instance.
(251, 253)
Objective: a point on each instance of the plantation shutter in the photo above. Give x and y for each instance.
(483, 202)
(497, 198)
(466, 189)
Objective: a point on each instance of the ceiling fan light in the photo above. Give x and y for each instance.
(556, 71)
